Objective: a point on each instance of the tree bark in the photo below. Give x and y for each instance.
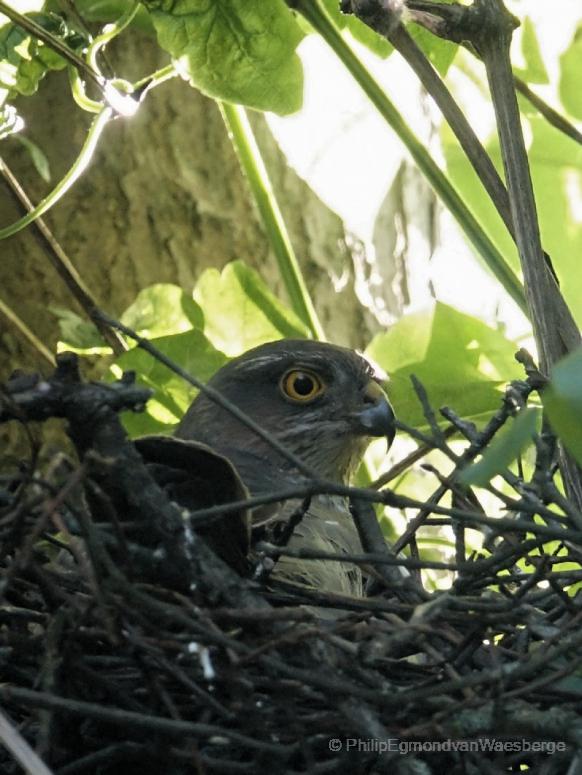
(163, 199)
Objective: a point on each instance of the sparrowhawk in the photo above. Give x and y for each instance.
(324, 403)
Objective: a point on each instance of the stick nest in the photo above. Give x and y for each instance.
(128, 644)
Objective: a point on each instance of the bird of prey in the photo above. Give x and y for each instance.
(324, 403)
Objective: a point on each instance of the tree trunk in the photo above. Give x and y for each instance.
(163, 199)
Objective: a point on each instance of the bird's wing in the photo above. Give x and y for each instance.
(327, 527)
(197, 477)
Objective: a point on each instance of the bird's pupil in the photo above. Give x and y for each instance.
(303, 385)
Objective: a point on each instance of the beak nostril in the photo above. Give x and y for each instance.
(373, 393)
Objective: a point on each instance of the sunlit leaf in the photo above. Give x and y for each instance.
(172, 394)
(507, 445)
(163, 309)
(570, 92)
(78, 334)
(241, 51)
(465, 180)
(535, 69)
(563, 402)
(461, 362)
(358, 30)
(556, 166)
(440, 52)
(25, 60)
(240, 311)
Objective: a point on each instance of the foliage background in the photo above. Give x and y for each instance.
(164, 201)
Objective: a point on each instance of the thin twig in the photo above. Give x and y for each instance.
(63, 264)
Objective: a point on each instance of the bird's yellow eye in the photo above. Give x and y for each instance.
(301, 385)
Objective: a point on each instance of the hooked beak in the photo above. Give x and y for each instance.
(377, 418)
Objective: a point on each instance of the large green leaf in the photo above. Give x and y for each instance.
(240, 311)
(563, 402)
(241, 51)
(570, 91)
(507, 445)
(194, 353)
(159, 310)
(78, 334)
(163, 309)
(461, 362)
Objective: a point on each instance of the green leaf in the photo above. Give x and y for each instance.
(358, 30)
(241, 51)
(161, 310)
(461, 362)
(24, 60)
(465, 180)
(40, 161)
(77, 334)
(240, 311)
(570, 91)
(173, 395)
(440, 52)
(563, 402)
(535, 69)
(556, 167)
(507, 445)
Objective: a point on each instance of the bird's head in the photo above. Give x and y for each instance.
(322, 401)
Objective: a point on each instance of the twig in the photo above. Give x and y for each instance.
(27, 333)
(34, 29)
(374, 543)
(63, 264)
(20, 749)
(129, 720)
(316, 16)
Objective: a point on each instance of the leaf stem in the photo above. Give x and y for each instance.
(464, 132)
(110, 32)
(62, 265)
(244, 142)
(76, 170)
(155, 79)
(29, 335)
(52, 42)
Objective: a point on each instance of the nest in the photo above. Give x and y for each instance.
(129, 642)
